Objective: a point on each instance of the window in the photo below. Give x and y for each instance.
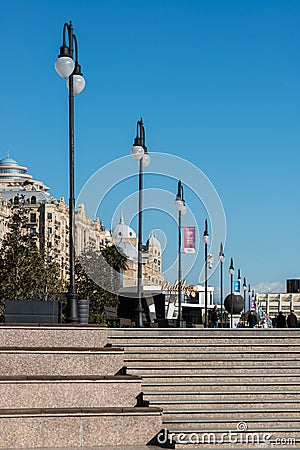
(32, 217)
(32, 231)
(33, 200)
(16, 200)
(49, 244)
(49, 216)
(49, 230)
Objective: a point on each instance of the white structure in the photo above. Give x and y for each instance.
(271, 304)
(192, 301)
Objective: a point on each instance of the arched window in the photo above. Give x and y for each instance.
(33, 200)
(16, 200)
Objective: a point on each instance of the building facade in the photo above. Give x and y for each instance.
(271, 304)
(48, 218)
(48, 222)
(126, 241)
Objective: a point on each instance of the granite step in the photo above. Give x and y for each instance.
(60, 361)
(211, 349)
(181, 376)
(78, 427)
(219, 404)
(66, 391)
(217, 370)
(208, 361)
(231, 424)
(252, 386)
(59, 335)
(230, 396)
(254, 412)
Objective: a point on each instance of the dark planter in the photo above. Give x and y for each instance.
(83, 310)
(32, 311)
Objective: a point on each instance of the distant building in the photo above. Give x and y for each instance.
(273, 303)
(126, 241)
(293, 286)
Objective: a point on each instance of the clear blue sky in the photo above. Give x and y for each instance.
(217, 83)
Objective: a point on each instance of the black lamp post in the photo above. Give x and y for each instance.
(179, 205)
(70, 69)
(205, 240)
(222, 260)
(231, 272)
(139, 154)
(244, 289)
(249, 295)
(239, 278)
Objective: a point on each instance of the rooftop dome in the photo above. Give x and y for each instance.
(123, 231)
(8, 162)
(13, 175)
(128, 250)
(153, 241)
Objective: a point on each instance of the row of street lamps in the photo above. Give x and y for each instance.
(67, 66)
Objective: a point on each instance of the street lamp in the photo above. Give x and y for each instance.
(180, 207)
(231, 272)
(205, 240)
(70, 69)
(222, 260)
(139, 154)
(249, 294)
(239, 278)
(244, 289)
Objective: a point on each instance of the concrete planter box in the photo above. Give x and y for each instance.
(32, 311)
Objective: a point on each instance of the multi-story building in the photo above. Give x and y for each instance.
(125, 239)
(48, 221)
(48, 218)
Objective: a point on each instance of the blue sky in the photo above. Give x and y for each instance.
(217, 83)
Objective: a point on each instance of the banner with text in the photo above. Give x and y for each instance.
(189, 239)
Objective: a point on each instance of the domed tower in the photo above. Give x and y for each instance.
(153, 248)
(123, 232)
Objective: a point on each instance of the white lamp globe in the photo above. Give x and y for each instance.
(179, 205)
(64, 66)
(78, 84)
(183, 210)
(221, 258)
(205, 239)
(146, 160)
(137, 152)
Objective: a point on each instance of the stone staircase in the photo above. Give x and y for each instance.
(61, 387)
(236, 388)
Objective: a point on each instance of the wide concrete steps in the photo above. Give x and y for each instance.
(208, 381)
(61, 387)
